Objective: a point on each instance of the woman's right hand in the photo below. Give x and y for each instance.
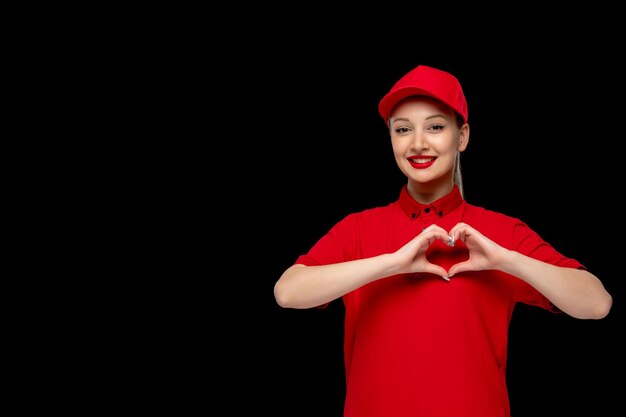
(411, 258)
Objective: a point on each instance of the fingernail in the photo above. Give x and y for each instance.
(445, 277)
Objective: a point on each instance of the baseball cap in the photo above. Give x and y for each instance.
(426, 81)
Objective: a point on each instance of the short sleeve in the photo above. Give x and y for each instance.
(530, 243)
(337, 245)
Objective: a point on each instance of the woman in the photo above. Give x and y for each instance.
(429, 282)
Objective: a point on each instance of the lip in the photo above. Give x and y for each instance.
(425, 161)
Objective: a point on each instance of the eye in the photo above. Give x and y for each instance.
(436, 127)
(402, 130)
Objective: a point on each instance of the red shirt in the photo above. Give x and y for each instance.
(414, 344)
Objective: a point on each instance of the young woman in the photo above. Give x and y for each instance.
(429, 282)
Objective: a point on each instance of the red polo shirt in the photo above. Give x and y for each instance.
(414, 344)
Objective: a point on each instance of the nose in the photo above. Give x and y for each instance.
(420, 141)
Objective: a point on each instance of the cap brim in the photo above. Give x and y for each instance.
(391, 100)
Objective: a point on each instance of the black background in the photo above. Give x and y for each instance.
(304, 145)
(227, 151)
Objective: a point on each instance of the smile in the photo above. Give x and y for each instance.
(422, 160)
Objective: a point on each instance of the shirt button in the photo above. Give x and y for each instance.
(413, 215)
(427, 210)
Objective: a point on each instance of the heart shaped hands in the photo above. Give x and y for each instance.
(483, 252)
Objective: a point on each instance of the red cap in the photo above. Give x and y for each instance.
(426, 81)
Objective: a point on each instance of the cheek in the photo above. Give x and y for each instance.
(398, 146)
(399, 154)
(446, 146)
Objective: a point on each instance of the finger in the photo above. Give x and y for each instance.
(460, 267)
(433, 233)
(444, 235)
(437, 270)
(459, 231)
(434, 227)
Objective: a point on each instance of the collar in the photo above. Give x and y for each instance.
(441, 207)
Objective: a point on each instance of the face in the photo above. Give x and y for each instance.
(425, 139)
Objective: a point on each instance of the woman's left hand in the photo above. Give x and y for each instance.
(483, 252)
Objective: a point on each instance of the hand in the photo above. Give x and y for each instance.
(411, 258)
(483, 252)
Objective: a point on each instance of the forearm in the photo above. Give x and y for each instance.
(311, 286)
(577, 293)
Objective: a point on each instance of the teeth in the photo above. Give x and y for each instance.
(422, 160)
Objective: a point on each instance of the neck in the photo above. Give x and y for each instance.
(427, 193)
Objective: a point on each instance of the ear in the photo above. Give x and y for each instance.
(464, 137)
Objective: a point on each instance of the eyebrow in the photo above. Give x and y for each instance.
(404, 119)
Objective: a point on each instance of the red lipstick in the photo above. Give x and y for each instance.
(421, 162)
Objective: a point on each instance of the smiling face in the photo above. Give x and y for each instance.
(426, 139)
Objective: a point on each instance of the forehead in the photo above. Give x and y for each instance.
(405, 107)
